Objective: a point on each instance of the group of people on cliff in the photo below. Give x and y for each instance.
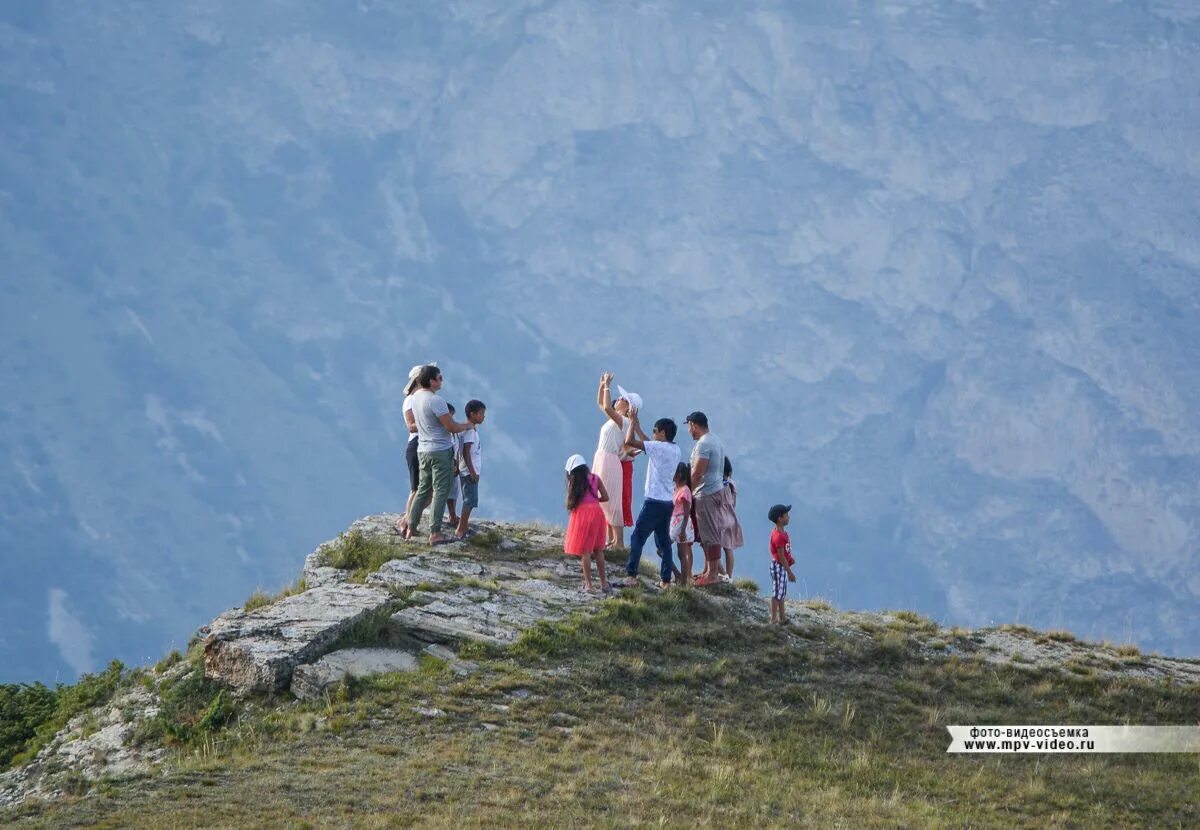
(445, 458)
(685, 503)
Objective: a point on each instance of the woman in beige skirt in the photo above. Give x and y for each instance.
(607, 463)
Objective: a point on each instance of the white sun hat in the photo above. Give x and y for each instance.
(574, 461)
(412, 376)
(635, 400)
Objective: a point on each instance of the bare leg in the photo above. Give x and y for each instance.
(585, 562)
(599, 557)
(616, 537)
(462, 521)
(712, 554)
(685, 562)
(729, 562)
(402, 525)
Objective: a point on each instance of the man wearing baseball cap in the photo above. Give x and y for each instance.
(716, 523)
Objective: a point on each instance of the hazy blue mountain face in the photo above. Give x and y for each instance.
(931, 268)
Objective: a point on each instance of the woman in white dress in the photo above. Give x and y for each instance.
(607, 463)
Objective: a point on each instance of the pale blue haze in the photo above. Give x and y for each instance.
(931, 268)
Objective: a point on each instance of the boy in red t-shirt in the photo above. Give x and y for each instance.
(781, 561)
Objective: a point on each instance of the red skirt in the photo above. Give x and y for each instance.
(627, 491)
(587, 530)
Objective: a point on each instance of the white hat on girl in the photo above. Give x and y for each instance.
(574, 461)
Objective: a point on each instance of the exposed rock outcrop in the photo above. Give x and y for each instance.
(489, 591)
(413, 599)
(313, 680)
(258, 650)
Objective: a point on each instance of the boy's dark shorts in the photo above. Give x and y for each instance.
(414, 466)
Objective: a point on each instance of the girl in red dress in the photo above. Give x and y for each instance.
(587, 528)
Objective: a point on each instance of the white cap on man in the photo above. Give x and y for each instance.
(574, 461)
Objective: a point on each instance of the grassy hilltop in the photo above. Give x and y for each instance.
(675, 709)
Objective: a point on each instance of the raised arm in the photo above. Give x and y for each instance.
(633, 429)
(641, 433)
(604, 398)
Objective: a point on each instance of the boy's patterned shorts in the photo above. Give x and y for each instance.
(778, 581)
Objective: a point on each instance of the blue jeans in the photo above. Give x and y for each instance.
(655, 518)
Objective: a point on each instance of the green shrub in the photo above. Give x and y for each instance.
(355, 552)
(256, 600)
(192, 707)
(23, 708)
(490, 539)
(32, 715)
(167, 662)
(746, 585)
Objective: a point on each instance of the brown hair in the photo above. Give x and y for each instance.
(577, 485)
(683, 473)
(428, 375)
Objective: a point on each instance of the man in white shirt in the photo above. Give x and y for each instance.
(663, 455)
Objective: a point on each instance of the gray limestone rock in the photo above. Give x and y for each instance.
(258, 650)
(311, 681)
(461, 614)
(434, 571)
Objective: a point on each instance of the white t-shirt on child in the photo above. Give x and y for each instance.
(470, 436)
(660, 472)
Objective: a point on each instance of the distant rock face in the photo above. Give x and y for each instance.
(954, 242)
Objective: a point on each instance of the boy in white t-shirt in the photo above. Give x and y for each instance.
(663, 455)
(470, 464)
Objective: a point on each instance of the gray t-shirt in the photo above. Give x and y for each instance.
(431, 435)
(709, 446)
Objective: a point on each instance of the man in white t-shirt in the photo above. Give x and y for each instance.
(663, 455)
